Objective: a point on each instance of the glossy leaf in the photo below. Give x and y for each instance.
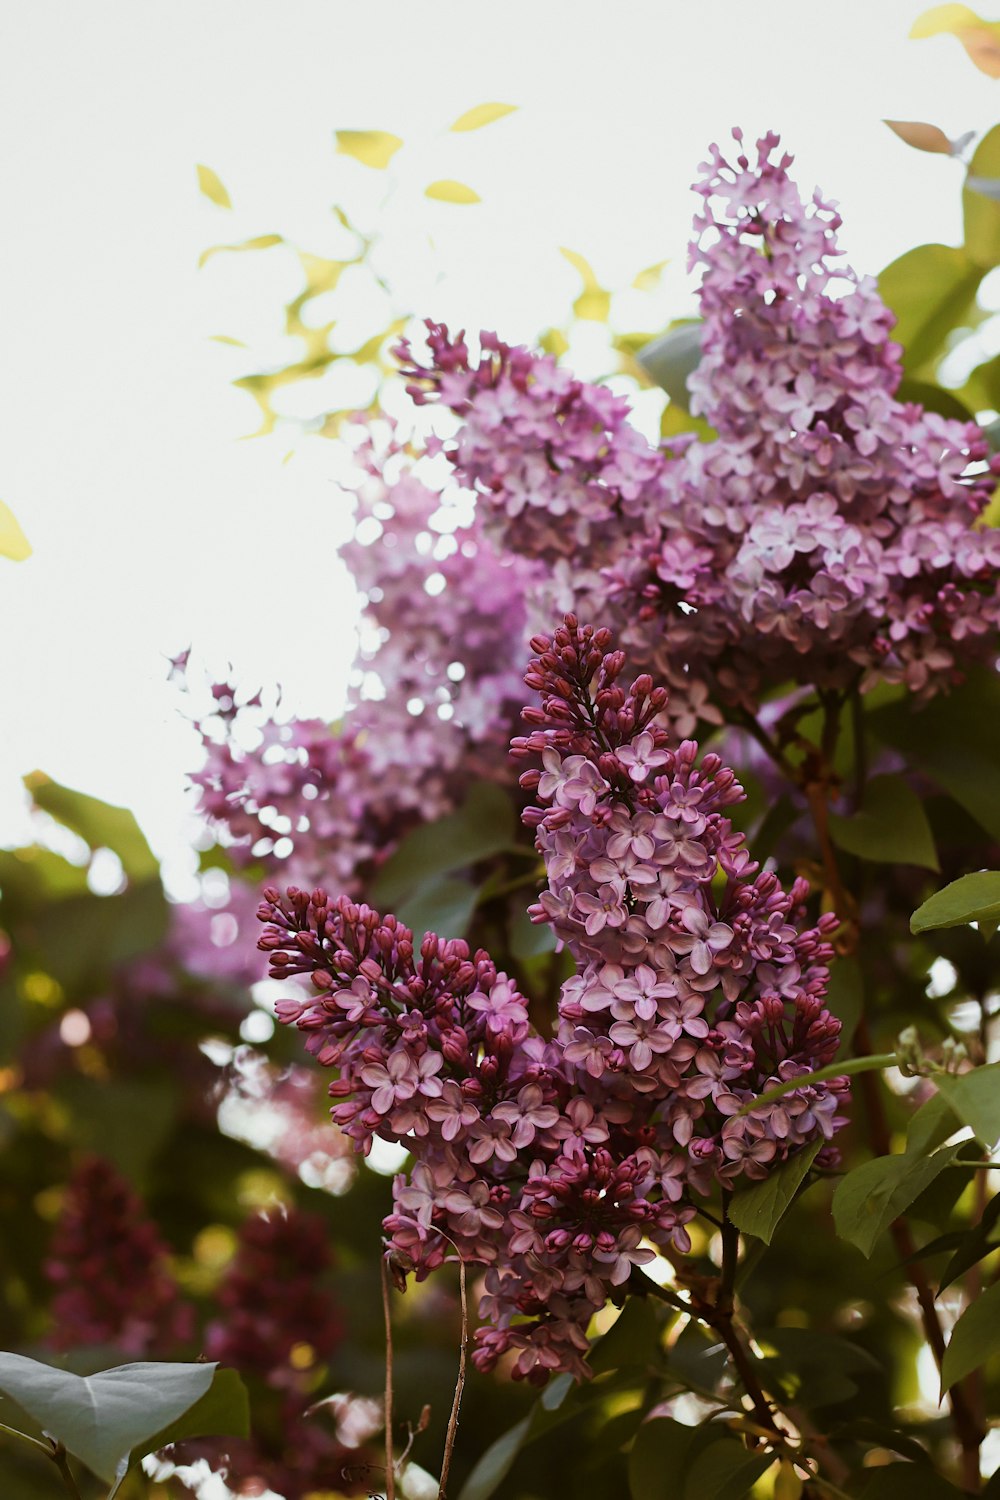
(447, 190)
(891, 826)
(13, 542)
(971, 898)
(372, 148)
(758, 1210)
(870, 1197)
(99, 824)
(975, 1098)
(102, 1419)
(974, 1339)
(920, 135)
(671, 359)
(211, 185)
(482, 114)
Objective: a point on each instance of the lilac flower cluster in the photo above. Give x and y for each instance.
(436, 690)
(827, 535)
(109, 1270)
(560, 1165)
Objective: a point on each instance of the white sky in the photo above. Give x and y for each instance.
(153, 523)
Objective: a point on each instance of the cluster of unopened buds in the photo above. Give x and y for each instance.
(561, 1165)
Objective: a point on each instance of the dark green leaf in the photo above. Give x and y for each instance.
(99, 824)
(814, 1368)
(758, 1209)
(671, 359)
(845, 997)
(658, 1458)
(974, 1245)
(482, 826)
(907, 1482)
(101, 1419)
(495, 1464)
(930, 1127)
(724, 1471)
(975, 1098)
(444, 906)
(868, 1199)
(972, 898)
(975, 1337)
(633, 1339)
(530, 939)
(890, 828)
(224, 1408)
(933, 398)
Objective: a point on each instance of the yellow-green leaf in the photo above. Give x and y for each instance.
(372, 148)
(212, 187)
(261, 242)
(13, 542)
(920, 135)
(981, 39)
(446, 190)
(593, 303)
(649, 279)
(482, 114)
(943, 18)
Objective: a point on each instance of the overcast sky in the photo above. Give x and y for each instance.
(154, 523)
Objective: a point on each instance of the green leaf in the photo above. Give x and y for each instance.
(224, 1408)
(99, 824)
(975, 1337)
(212, 187)
(931, 289)
(870, 1197)
(845, 998)
(955, 740)
(633, 1339)
(484, 825)
(372, 148)
(933, 398)
(447, 190)
(971, 898)
(758, 1209)
(102, 1419)
(671, 359)
(815, 1368)
(724, 1471)
(930, 1127)
(482, 114)
(443, 906)
(907, 1482)
(648, 279)
(973, 1247)
(975, 1098)
(982, 213)
(890, 828)
(657, 1460)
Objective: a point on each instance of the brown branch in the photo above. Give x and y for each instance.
(449, 1442)
(390, 1466)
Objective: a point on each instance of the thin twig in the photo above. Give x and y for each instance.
(16, 1432)
(390, 1467)
(449, 1442)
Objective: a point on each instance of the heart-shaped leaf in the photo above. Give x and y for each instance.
(973, 898)
(102, 1419)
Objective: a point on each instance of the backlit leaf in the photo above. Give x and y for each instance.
(975, 1337)
(259, 242)
(649, 279)
(372, 148)
(13, 542)
(211, 185)
(981, 211)
(975, 1098)
(482, 114)
(99, 824)
(931, 289)
(920, 135)
(972, 898)
(446, 190)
